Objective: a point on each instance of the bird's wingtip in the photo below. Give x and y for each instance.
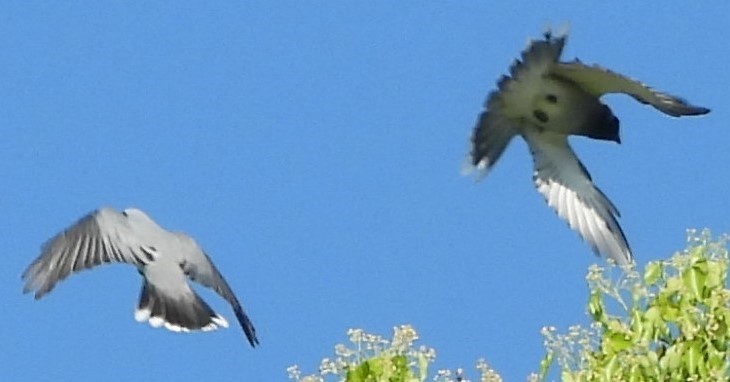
(561, 31)
(477, 171)
(702, 110)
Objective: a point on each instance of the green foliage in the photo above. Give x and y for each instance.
(371, 358)
(672, 323)
(383, 368)
(669, 323)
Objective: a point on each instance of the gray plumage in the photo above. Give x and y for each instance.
(166, 260)
(544, 101)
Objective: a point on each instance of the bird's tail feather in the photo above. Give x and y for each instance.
(183, 313)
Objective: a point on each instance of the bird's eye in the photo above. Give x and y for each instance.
(540, 115)
(552, 98)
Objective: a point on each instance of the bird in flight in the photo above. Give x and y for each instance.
(164, 259)
(545, 100)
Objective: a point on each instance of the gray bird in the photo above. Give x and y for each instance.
(544, 101)
(164, 259)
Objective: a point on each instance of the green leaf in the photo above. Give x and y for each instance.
(359, 373)
(400, 369)
(611, 368)
(672, 359)
(692, 357)
(565, 376)
(422, 367)
(652, 272)
(595, 306)
(716, 276)
(376, 367)
(618, 341)
(694, 278)
(545, 365)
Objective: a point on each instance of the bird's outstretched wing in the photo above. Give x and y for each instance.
(102, 236)
(537, 57)
(567, 187)
(200, 268)
(494, 128)
(598, 81)
(491, 136)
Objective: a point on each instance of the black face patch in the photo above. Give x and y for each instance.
(540, 115)
(552, 98)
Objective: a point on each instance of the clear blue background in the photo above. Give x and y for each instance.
(314, 149)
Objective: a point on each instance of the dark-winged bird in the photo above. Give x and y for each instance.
(166, 260)
(545, 100)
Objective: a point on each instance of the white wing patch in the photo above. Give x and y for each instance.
(544, 100)
(567, 188)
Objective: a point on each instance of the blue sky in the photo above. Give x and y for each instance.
(314, 149)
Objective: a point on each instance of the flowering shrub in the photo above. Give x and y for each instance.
(372, 358)
(672, 322)
(669, 323)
